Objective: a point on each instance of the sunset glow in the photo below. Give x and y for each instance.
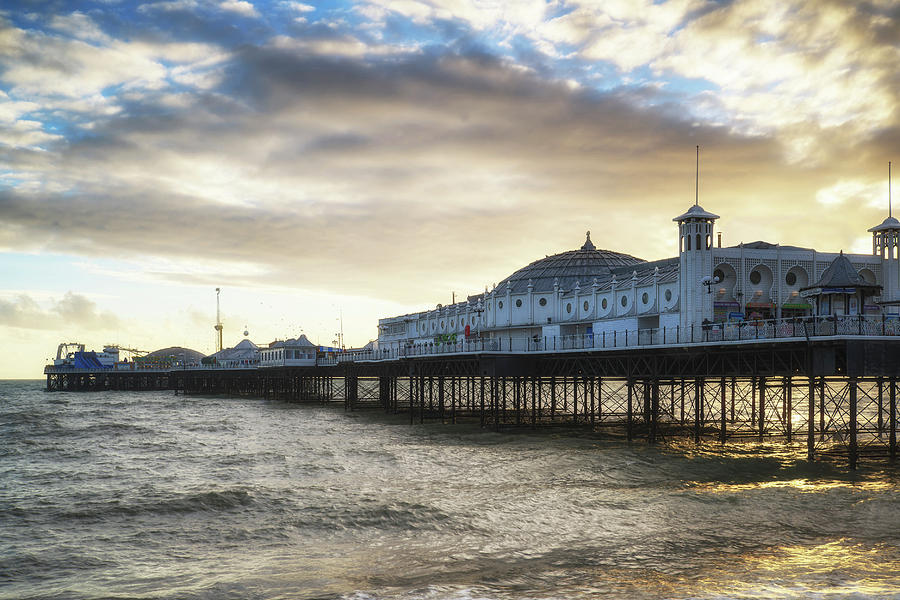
(327, 164)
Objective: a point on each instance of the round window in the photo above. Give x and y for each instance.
(433, 326)
(542, 302)
(645, 298)
(604, 304)
(755, 277)
(519, 303)
(586, 306)
(451, 322)
(790, 278)
(718, 274)
(473, 320)
(624, 300)
(442, 324)
(569, 307)
(500, 304)
(668, 295)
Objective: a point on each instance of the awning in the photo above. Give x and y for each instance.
(796, 306)
(760, 305)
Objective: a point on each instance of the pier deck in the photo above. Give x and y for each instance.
(834, 394)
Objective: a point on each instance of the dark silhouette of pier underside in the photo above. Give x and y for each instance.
(836, 395)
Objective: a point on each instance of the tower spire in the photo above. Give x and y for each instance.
(889, 188)
(697, 180)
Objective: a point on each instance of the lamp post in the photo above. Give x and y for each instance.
(709, 282)
(478, 310)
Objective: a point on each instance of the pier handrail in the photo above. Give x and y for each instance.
(706, 333)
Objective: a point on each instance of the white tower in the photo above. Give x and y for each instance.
(886, 244)
(695, 235)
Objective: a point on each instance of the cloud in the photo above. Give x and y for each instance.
(241, 7)
(73, 310)
(329, 158)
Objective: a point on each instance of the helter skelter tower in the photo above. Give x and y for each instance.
(218, 326)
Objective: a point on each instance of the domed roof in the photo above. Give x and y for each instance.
(696, 212)
(887, 224)
(582, 265)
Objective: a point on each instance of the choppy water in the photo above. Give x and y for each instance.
(151, 495)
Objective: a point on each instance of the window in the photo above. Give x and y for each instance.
(569, 307)
(586, 306)
(624, 301)
(688, 237)
(790, 278)
(451, 322)
(719, 274)
(604, 304)
(755, 277)
(519, 303)
(645, 298)
(668, 295)
(542, 302)
(500, 304)
(442, 324)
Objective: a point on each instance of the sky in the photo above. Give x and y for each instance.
(327, 164)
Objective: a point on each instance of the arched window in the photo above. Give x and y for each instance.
(688, 238)
(698, 242)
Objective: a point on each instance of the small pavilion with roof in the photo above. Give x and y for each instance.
(841, 290)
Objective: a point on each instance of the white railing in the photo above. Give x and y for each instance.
(737, 331)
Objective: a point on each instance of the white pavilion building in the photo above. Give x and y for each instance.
(590, 292)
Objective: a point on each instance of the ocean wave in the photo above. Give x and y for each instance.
(213, 501)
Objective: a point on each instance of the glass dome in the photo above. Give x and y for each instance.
(582, 265)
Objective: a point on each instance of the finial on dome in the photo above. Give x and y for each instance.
(588, 245)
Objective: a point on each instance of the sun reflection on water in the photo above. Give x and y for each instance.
(839, 568)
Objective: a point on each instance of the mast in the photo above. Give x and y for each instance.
(218, 326)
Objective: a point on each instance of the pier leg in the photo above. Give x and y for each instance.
(574, 400)
(789, 408)
(822, 428)
(733, 386)
(630, 422)
(811, 423)
(482, 400)
(762, 408)
(590, 381)
(892, 420)
(722, 430)
(453, 399)
(413, 387)
(697, 387)
(654, 409)
(552, 398)
(753, 421)
(880, 406)
(853, 401)
(682, 402)
(441, 397)
(422, 399)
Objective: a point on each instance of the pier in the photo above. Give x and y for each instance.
(834, 393)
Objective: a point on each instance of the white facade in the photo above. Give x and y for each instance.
(298, 352)
(602, 293)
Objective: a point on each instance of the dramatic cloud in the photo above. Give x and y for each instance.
(398, 150)
(73, 310)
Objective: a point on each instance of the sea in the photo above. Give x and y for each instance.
(153, 495)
